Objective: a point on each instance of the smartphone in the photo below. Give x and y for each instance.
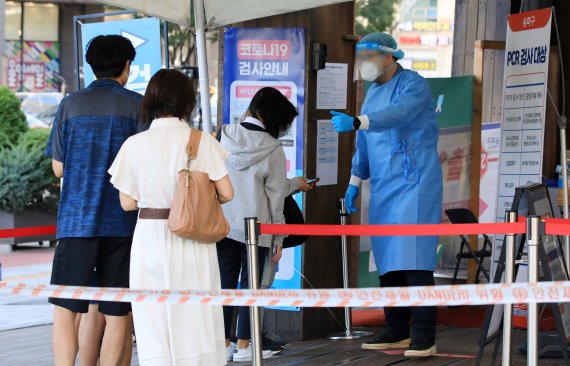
(312, 181)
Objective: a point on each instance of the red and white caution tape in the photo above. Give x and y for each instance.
(542, 292)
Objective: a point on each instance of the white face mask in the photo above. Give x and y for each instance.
(369, 70)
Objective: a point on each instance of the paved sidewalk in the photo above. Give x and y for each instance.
(27, 255)
(30, 265)
(457, 346)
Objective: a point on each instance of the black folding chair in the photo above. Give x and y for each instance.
(465, 216)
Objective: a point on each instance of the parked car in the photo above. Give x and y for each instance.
(40, 108)
(34, 122)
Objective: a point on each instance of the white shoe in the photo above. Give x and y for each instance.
(245, 354)
(420, 351)
(230, 350)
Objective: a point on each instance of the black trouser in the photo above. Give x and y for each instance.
(423, 317)
(232, 258)
(76, 258)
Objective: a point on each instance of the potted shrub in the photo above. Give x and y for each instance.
(12, 120)
(29, 191)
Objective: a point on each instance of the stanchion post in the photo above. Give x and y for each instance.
(344, 244)
(348, 333)
(251, 236)
(533, 233)
(510, 217)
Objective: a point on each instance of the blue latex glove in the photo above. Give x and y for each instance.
(342, 122)
(350, 197)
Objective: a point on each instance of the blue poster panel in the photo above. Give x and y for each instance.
(144, 34)
(255, 58)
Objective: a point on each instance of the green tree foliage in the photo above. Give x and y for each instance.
(12, 120)
(182, 44)
(35, 138)
(26, 177)
(374, 15)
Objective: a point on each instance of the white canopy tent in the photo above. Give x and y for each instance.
(213, 13)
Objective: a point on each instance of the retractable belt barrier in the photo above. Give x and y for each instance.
(542, 292)
(396, 230)
(27, 231)
(531, 293)
(353, 230)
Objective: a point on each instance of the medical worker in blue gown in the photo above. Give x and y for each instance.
(396, 148)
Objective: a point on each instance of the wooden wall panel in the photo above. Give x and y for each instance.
(322, 266)
(481, 19)
(487, 93)
(472, 22)
(459, 40)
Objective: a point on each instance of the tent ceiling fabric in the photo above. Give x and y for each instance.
(222, 12)
(175, 11)
(230, 11)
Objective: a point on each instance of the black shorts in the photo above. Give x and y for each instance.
(74, 262)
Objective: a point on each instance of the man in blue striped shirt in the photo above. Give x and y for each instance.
(92, 229)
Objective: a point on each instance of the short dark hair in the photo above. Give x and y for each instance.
(169, 93)
(108, 55)
(274, 109)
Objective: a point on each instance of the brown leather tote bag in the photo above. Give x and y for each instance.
(196, 213)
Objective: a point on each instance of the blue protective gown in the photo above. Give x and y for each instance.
(398, 153)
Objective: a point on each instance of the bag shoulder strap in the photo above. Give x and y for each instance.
(193, 144)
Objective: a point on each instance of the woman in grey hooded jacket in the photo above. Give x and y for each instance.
(257, 170)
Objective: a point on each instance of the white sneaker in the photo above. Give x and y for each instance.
(230, 350)
(245, 354)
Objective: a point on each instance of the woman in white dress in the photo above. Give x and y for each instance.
(145, 172)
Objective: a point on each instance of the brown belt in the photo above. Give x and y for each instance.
(154, 213)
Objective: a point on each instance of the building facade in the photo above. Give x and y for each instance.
(424, 30)
(37, 53)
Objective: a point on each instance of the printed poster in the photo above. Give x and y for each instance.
(327, 153)
(332, 86)
(39, 65)
(524, 107)
(490, 145)
(260, 57)
(144, 34)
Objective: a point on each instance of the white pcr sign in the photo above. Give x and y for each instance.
(524, 104)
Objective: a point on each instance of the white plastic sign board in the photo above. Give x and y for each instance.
(524, 106)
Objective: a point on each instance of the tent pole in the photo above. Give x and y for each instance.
(2, 40)
(200, 23)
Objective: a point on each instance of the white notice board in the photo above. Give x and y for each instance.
(332, 86)
(524, 105)
(327, 153)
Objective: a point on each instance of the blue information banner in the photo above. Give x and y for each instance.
(259, 57)
(144, 34)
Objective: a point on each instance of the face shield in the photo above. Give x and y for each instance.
(371, 61)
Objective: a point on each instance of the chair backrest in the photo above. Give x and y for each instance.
(465, 216)
(461, 216)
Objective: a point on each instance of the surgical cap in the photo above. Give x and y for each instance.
(381, 42)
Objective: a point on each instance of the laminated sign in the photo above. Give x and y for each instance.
(524, 105)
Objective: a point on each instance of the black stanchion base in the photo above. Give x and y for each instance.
(548, 346)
